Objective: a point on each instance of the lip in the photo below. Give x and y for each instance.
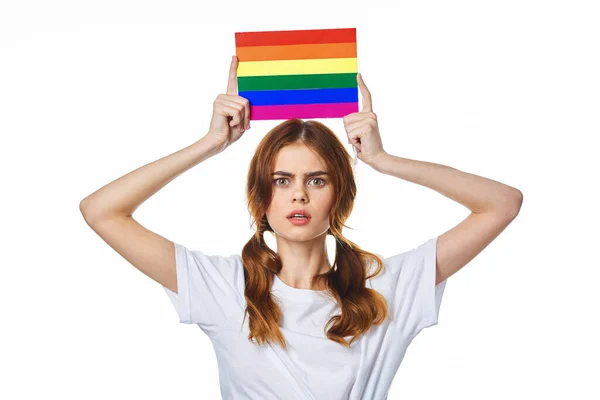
(299, 211)
(299, 221)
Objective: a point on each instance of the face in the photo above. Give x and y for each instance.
(293, 189)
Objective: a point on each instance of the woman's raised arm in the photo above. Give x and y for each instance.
(108, 211)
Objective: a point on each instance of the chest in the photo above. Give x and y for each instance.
(311, 364)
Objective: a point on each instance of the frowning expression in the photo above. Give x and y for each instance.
(300, 181)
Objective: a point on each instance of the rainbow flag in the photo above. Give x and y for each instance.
(298, 74)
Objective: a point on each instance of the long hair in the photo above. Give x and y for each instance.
(360, 306)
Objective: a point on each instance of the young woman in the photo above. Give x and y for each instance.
(286, 324)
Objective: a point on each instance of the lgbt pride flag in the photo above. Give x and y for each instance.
(298, 74)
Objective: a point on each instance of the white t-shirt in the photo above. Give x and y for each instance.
(211, 295)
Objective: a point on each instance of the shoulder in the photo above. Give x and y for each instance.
(399, 263)
(221, 269)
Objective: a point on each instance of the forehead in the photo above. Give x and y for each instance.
(298, 158)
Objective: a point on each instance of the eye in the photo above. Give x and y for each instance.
(276, 181)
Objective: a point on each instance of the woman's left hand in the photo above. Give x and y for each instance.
(362, 128)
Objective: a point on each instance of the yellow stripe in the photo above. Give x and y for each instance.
(297, 67)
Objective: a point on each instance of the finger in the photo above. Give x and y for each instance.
(233, 112)
(244, 103)
(354, 139)
(350, 118)
(362, 124)
(238, 104)
(357, 129)
(236, 116)
(366, 95)
(232, 82)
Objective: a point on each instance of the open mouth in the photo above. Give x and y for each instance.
(297, 220)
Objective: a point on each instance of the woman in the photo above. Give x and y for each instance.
(286, 324)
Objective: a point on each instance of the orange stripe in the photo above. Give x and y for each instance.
(296, 52)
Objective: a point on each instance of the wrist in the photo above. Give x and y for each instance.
(214, 145)
(378, 160)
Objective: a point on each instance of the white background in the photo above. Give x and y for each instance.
(92, 90)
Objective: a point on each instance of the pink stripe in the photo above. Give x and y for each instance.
(288, 111)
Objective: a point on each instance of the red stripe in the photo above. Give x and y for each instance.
(310, 36)
(331, 110)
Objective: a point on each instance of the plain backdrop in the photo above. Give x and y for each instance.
(90, 91)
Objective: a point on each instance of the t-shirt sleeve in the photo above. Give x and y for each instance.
(415, 298)
(208, 288)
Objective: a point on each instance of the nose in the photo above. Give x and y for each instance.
(302, 198)
(299, 194)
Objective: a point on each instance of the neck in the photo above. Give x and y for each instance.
(301, 261)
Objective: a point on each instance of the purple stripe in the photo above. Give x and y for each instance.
(288, 111)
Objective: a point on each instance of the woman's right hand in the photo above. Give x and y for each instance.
(231, 113)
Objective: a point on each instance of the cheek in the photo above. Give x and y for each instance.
(323, 204)
(275, 206)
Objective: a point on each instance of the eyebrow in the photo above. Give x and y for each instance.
(315, 173)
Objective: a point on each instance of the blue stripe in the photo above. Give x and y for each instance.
(300, 96)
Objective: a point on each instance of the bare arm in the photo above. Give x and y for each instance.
(125, 194)
(231, 117)
(109, 210)
(477, 193)
(494, 205)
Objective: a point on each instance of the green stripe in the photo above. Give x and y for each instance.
(284, 82)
